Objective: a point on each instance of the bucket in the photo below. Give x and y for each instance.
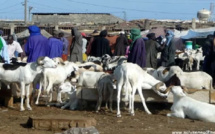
(189, 45)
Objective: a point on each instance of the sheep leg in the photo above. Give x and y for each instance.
(27, 87)
(119, 87)
(132, 99)
(99, 101)
(176, 114)
(39, 92)
(22, 96)
(143, 100)
(50, 95)
(191, 67)
(198, 64)
(111, 99)
(48, 90)
(105, 88)
(128, 94)
(59, 100)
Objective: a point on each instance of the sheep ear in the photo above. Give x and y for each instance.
(40, 60)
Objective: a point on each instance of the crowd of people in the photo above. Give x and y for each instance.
(138, 50)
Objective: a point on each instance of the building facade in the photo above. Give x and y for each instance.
(75, 18)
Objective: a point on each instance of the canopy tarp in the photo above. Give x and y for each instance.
(179, 34)
(198, 33)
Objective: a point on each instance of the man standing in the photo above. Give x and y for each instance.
(37, 44)
(137, 49)
(84, 46)
(55, 47)
(213, 60)
(121, 44)
(3, 50)
(152, 48)
(100, 45)
(13, 46)
(168, 53)
(94, 35)
(65, 46)
(76, 47)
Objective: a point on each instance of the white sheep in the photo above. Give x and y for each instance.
(131, 77)
(87, 66)
(163, 73)
(196, 80)
(56, 76)
(196, 55)
(90, 66)
(185, 106)
(25, 75)
(89, 79)
(186, 60)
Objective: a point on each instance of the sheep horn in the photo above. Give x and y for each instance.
(167, 90)
(61, 61)
(39, 60)
(189, 91)
(158, 85)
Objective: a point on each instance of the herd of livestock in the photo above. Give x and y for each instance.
(107, 74)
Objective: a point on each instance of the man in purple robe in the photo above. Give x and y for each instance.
(37, 44)
(137, 49)
(55, 47)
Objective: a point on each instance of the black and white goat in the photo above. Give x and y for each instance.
(110, 63)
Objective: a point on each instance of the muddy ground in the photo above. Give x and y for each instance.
(14, 122)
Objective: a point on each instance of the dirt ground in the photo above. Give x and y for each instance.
(14, 122)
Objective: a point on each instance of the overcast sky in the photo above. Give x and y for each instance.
(129, 9)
